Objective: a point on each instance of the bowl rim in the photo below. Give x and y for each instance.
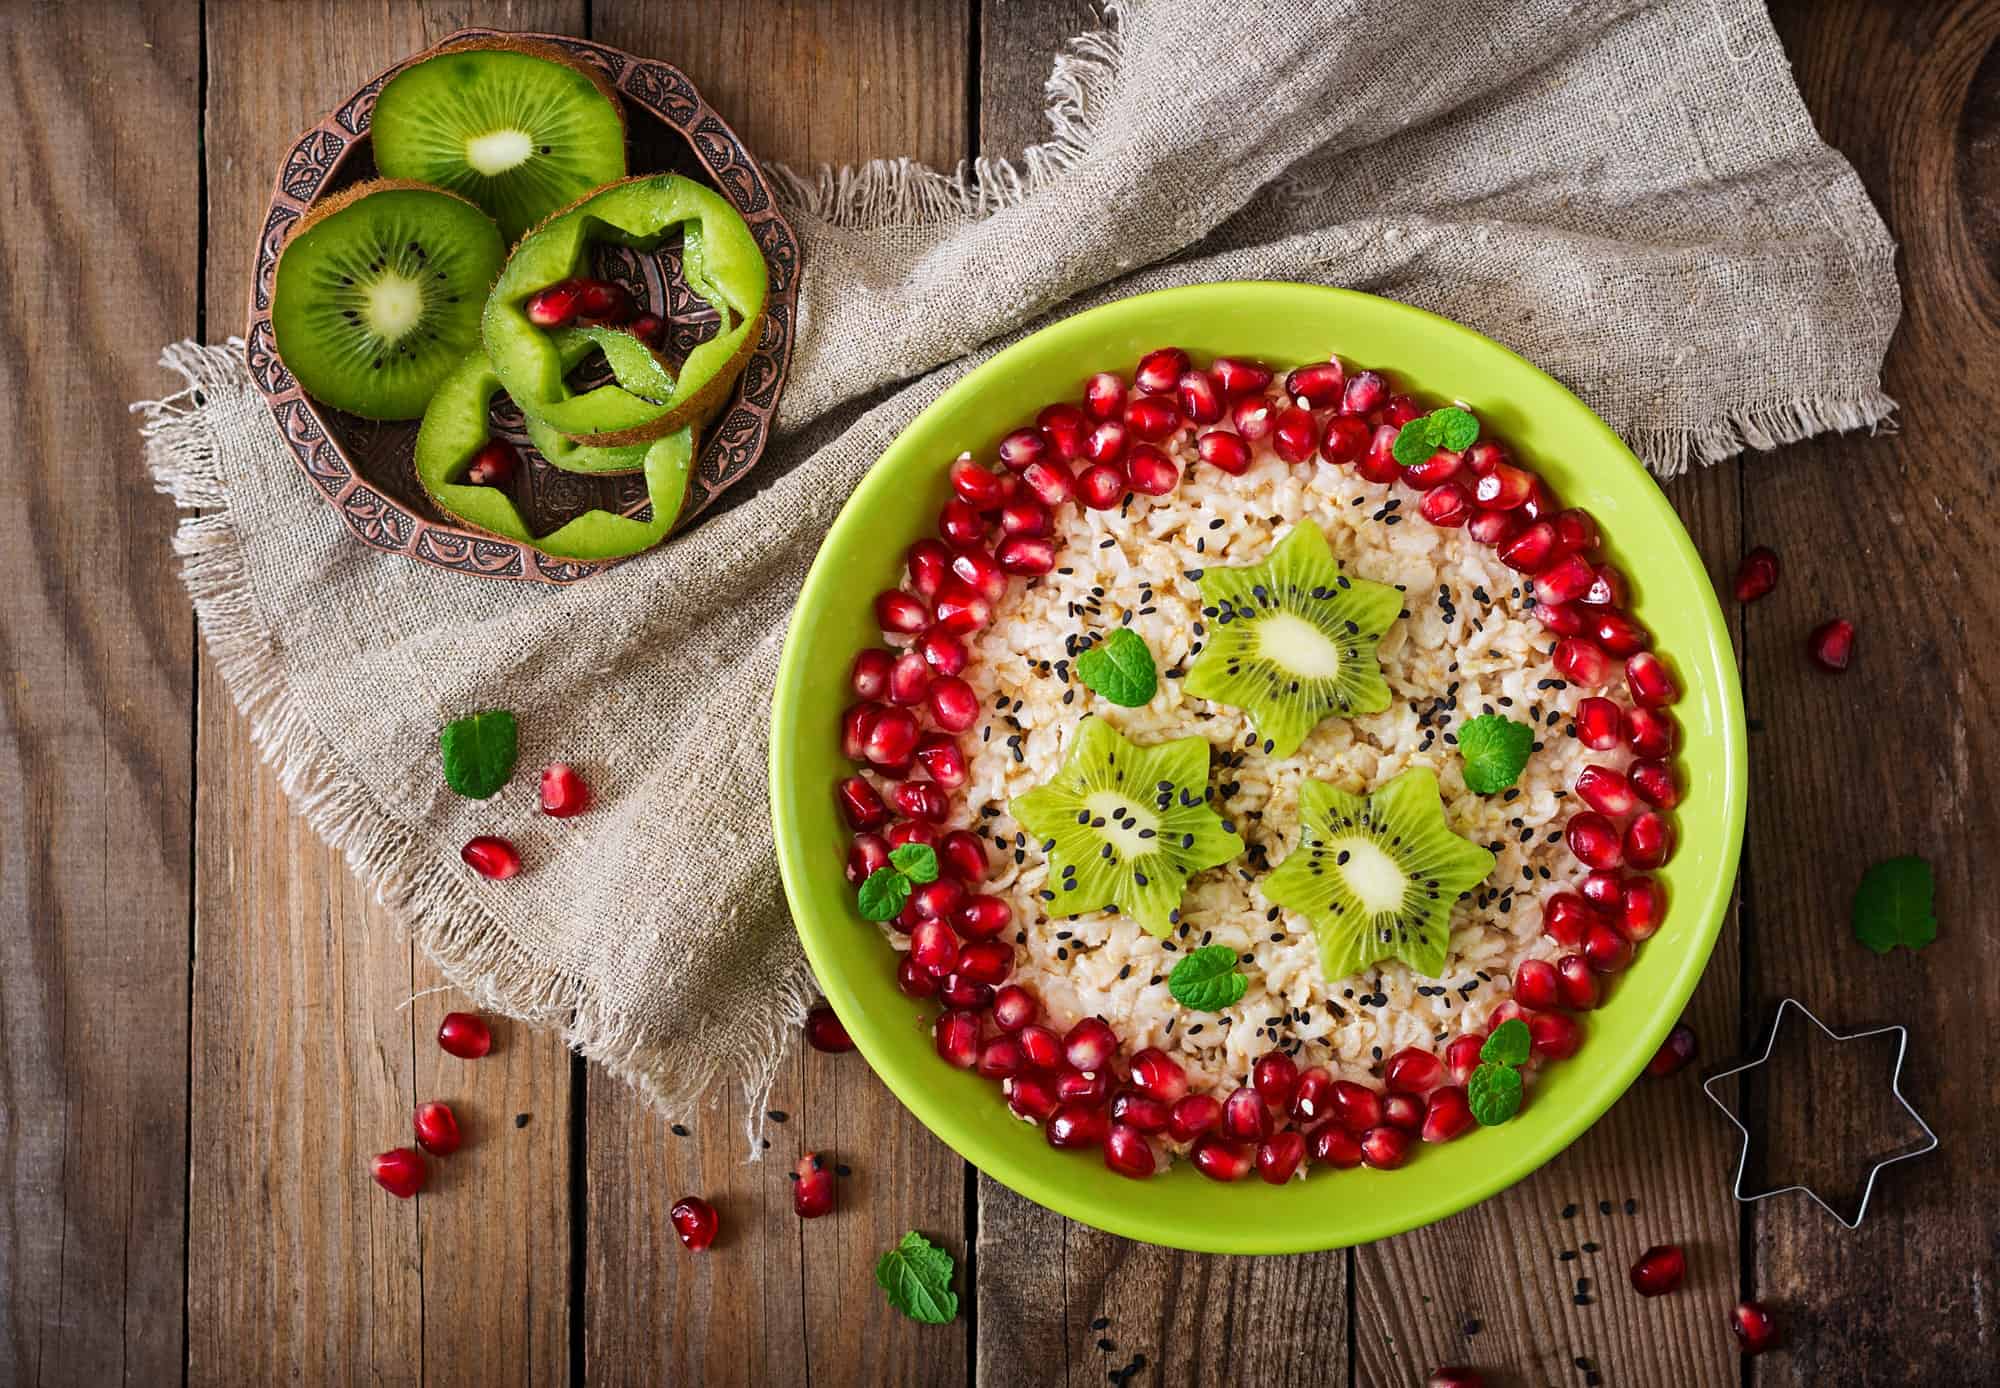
(1701, 908)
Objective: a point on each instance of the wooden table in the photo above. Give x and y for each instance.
(205, 1029)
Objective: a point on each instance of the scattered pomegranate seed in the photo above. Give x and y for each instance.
(1651, 683)
(812, 1187)
(1225, 451)
(1405, 1111)
(1312, 1096)
(913, 980)
(1245, 1116)
(1484, 456)
(981, 572)
(891, 740)
(494, 465)
(909, 678)
(1605, 791)
(1541, 504)
(1754, 1328)
(1275, 1076)
(1449, 1115)
(943, 652)
(1366, 390)
(1455, 1376)
(1494, 528)
(1757, 574)
(1581, 662)
(695, 1222)
(1294, 436)
(491, 856)
(1400, 410)
(1641, 905)
(604, 302)
(1562, 618)
(1598, 724)
(964, 994)
(553, 307)
(1674, 1053)
(1594, 840)
(1127, 1152)
(1000, 1058)
(1345, 440)
(1650, 733)
(928, 562)
(1160, 370)
(935, 901)
(897, 611)
(400, 1171)
(1220, 1159)
(1104, 396)
(1052, 483)
(1556, 1035)
(1030, 1095)
(1200, 401)
(1378, 463)
(982, 917)
(1064, 426)
(1385, 1148)
(1334, 1146)
(962, 856)
(1239, 377)
(911, 831)
(1461, 1057)
(1152, 473)
(437, 1129)
(1090, 1044)
(1194, 1116)
(855, 725)
(1356, 1105)
(1620, 635)
(1576, 531)
(1101, 486)
(1606, 949)
(1159, 1075)
(1413, 1070)
(1576, 981)
(1142, 1111)
(1535, 983)
(1077, 1124)
(1323, 384)
(1279, 1155)
(986, 961)
(1446, 506)
(952, 703)
(1654, 782)
(1152, 418)
(1660, 1270)
(1831, 646)
(824, 1031)
(957, 1032)
(465, 1035)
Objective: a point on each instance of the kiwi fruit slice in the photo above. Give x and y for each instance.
(1292, 640)
(1377, 874)
(636, 367)
(518, 127)
(378, 295)
(1126, 826)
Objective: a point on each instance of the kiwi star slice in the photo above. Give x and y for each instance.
(1377, 874)
(1292, 640)
(1126, 826)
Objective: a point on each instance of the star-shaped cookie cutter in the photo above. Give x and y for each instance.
(1929, 1143)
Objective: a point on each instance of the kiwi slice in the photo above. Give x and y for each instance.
(518, 127)
(1126, 825)
(1292, 640)
(1377, 874)
(378, 295)
(636, 367)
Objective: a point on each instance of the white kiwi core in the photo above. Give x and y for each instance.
(497, 151)
(1123, 821)
(1371, 875)
(1297, 646)
(395, 306)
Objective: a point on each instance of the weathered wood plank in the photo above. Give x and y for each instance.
(306, 1060)
(99, 110)
(776, 1301)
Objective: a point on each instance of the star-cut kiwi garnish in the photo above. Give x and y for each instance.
(1291, 641)
(1377, 874)
(1125, 825)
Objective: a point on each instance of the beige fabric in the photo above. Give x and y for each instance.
(1631, 195)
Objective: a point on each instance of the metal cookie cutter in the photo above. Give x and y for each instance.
(1928, 1143)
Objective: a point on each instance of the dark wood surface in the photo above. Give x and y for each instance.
(205, 1028)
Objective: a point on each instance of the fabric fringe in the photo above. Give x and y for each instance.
(1668, 452)
(904, 193)
(428, 898)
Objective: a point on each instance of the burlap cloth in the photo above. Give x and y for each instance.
(1629, 194)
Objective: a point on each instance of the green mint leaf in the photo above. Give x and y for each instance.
(1120, 668)
(1414, 442)
(1494, 748)
(479, 752)
(916, 1276)
(916, 861)
(1509, 1044)
(1454, 428)
(1207, 981)
(1494, 1093)
(883, 894)
(1894, 905)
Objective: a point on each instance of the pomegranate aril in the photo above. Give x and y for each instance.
(604, 301)
(957, 1033)
(1535, 983)
(1366, 390)
(1274, 1077)
(812, 1186)
(400, 1171)
(1385, 1148)
(981, 572)
(1152, 419)
(824, 1031)
(1594, 840)
(1576, 532)
(1254, 416)
(1674, 1053)
(909, 678)
(1026, 555)
(1127, 1152)
(1312, 1096)
(436, 1128)
(1025, 515)
(1504, 487)
(1455, 1376)
(1449, 1115)
(1606, 949)
(695, 1222)
(1831, 645)
(1484, 456)
(1294, 436)
(1404, 1111)
(1601, 890)
(649, 328)
(952, 703)
(1576, 981)
(891, 739)
(935, 901)
(1562, 618)
(494, 465)
(1649, 840)
(1541, 505)
(1436, 470)
(1105, 443)
(1090, 1044)
(1064, 426)
(1323, 384)
(1044, 1048)
(911, 831)
(943, 652)
(928, 562)
(1245, 1116)
(1000, 1058)
(553, 307)
(1334, 1146)
(913, 980)
(1754, 1328)
(1650, 733)
(1378, 463)
(1581, 661)
(1400, 410)
(1494, 527)
(1566, 580)
(1074, 1086)
(897, 611)
(869, 675)
(491, 856)
(465, 1035)
(1757, 574)
(1193, 1116)
(1528, 551)
(1076, 1124)
(1052, 483)
(855, 725)
(1225, 451)
(1651, 683)
(1660, 1269)
(1356, 1105)
(1620, 635)
(1655, 783)
(1607, 589)
(1345, 440)
(1151, 472)
(1605, 790)
(563, 792)
(1412, 1070)
(1142, 1111)
(860, 805)
(942, 760)
(1461, 1057)
(1031, 1096)
(1200, 401)
(1014, 1007)
(1159, 371)
(867, 854)
(1279, 1155)
(959, 523)
(1642, 904)
(1598, 724)
(1556, 1035)
(982, 917)
(1101, 486)
(1159, 1074)
(1236, 376)
(934, 946)
(1022, 447)
(1566, 917)
(1104, 396)
(986, 961)
(1220, 1159)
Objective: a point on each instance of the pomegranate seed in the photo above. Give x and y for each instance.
(1160, 370)
(465, 1035)
(1274, 1077)
(1484, 456)
(981, 572)
(1605, 949)
(1345, 440)
(649, 328)
(1075, 1125)
(911, 831)
(1831, 645)
(1528, 551)
(1294, 436)
(1356, 1105)
(928, 562)
(1607, 589)
(1659, 1270)
(867, 854)
(1027, 555)
(859, 804)
(942, 760)
(1101, 486)
(909, 678)
(1279, 1155)
(913, 981)
(1434, 471)
(1446, 505)
(1225, 451)
(1757, 574)
(959, 523)
(1564, 619)
(1385, 1148)
(1556, 1035)
(400, 1171)
(1064, 426)
(957, 1032)
(1504, 487)
(1404, 1111)
(1651, 683)
(1461, 1057)
(437, 1129)
(1576, 532)
(1159, 1074)
(1090, 1044)
(1641, 906)
(1366, 390)
(1674, 1053)
(1000, 1058)
(1152, 419)
(1105, 443)
(1379, 463)
(982, 917)
(1312, 1097)
(494, 465)
(1043, 1047)
(1245, 1116)
(952, 703)
(1535, 983)
(1754, 1328)
(934, 946)
(1605, 790)
(553, 307)
(1649, 840)
(1566, 580)
(1193, 1117)
(1449, 1116)
(1014, 1007)
(891, 739)
(1201, 402)
(1141, 1111)
(1322, 384)
(1152, 472)
(1594, 841)
(896, 610)
(942, 651)
(1541, 503)
(824, 1031)
(1221, 1160)
(1255, 416)
(1400, 410)
(694, 1221)
(962, 856)
(1597, 724)
(1654, 782)
(1455, 1376)
(1127, 1152)
(1620, 635)
(935, 901)
(1507, 1012)
(1412, 1070)
(1334, 1146)
(1022, 447)
(1577, 982)
(870, 673)
(604, 302)
(1494, 528)
(1027, 516)
(1052, 483)
(1650, 733)
(986, 961)
(563, 792)
(491, 856)
(1104, 396)
(812, 1187)
(1031, 1096)
(1580, 661)
(1565, 917)
(1602, 891)
(1236, 376)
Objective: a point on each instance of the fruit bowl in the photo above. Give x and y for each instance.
(1281, 324)
(365, 468)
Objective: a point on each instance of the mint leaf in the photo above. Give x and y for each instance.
(1454, 428)
(916, 861)
(1414, 442)
(1494, 1093)
(1206, 980)
(1894, 905)
(883, 894)
(479, 752)
(1120, 668)
(916, 1276)
(1509, 1044)
(1494, 748)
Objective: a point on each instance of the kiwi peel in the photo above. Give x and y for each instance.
(1377, 874)
(720, 262)
(520, 128)
(377, 295)
(1292, 640)
(455, 427)
(1125, 825)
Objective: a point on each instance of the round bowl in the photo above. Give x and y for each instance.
(1282, 324)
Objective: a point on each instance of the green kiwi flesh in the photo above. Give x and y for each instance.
(1292, 640)
(1125, 825)
(378, 294)
(516, 127)
(1377, 874)
(636, 367)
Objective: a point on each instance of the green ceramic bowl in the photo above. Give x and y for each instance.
(1282, 324)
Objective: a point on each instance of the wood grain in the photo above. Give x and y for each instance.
(98, 113)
